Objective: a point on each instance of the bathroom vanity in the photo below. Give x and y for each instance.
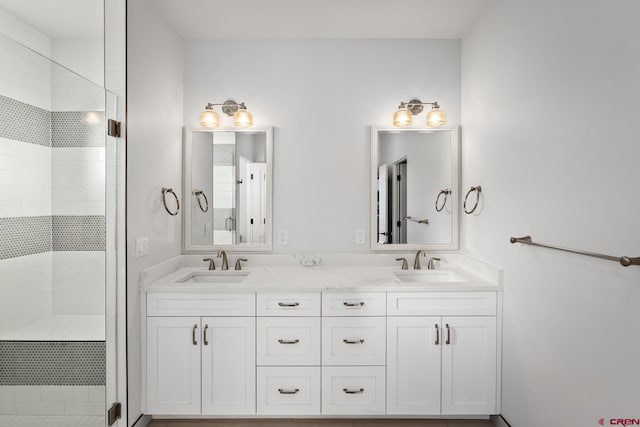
(334, 341)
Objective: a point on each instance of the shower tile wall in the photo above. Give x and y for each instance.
(52, 169)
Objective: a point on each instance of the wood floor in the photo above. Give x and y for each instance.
(320, 423)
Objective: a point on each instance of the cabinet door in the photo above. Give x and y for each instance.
(469, 366)
(173, 365)
(413, 365)
(228, 365)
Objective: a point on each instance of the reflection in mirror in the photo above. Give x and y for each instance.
(229, 185)
(412, 169)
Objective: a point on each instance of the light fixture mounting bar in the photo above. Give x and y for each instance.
(229, 107)
(416, 106)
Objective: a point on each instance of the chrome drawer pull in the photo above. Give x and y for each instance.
(357, 391)
(437, 335)
(288, 304)
(285, 391)
(193, 335)
(281, 341)
(346, 341)
(204, 340)
(353, 304)
(448, 341)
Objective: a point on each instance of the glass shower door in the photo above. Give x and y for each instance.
(57, 244)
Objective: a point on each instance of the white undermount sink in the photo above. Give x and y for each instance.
(208, 276)
(428, 276)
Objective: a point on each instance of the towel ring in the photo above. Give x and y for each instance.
(446, 193)
(477, 190)
(164, 201)
(199, 193)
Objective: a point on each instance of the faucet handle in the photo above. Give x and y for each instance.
(405, 264)
(238, 264)
(431, 265)
(212, 264)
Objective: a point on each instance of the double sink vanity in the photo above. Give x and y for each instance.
(328, 335)
(350, 337)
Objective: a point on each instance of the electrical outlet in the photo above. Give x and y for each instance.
(283, 237)
(142, 246)
(360, 236)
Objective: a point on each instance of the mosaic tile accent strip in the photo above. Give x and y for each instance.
(79, 233)
(21, 236)
(77, 129)
(24, 122)
(52, 363)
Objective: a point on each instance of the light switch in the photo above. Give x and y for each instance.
(282, 237)
(360, 236)
(142, 246)
(208, 229)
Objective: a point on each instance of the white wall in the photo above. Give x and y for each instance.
(321, 96)
(154, 157)
(550, 131)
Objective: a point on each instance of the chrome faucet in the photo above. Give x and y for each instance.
(212, 264)
(238, 263)
(225, 262)
(405, 264)
(431, 265)
(416, 263)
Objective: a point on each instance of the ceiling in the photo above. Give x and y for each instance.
(60, 19)
(333, 19)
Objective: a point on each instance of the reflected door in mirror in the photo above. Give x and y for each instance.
(228, 178)
(412, 167)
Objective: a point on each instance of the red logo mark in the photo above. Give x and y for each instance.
(621, 421)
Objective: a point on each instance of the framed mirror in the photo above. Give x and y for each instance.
(414, 189)
(227, 189)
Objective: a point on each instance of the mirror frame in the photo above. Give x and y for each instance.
(455, 192)
(190, 248)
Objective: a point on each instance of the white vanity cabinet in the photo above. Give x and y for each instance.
(288, 353)
(333, 353)
(201, 364)
(439, 361)
(173, 365)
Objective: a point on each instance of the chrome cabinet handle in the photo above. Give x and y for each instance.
(204, 339)
(448, 341)
(193, 335)
(437, 335)
(288, 304)
(285, 391)
(353, 304)
(356, 391)
(281, 341)
(346, 341)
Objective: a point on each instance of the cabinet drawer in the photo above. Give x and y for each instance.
(286, 341)
(353, 390)
(441, 304)
(214, 305)
(354, 304)
(288, 390)
(353, 341)
(300, 304)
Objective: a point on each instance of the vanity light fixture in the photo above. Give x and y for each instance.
(403, 117)
(241, 116)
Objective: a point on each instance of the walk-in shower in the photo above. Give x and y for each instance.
(57, 242)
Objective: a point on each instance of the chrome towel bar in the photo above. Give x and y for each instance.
(624, 260)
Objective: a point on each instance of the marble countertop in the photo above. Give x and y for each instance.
(323, 278)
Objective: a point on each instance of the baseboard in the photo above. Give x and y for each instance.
(142, 421)
(499, 421)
